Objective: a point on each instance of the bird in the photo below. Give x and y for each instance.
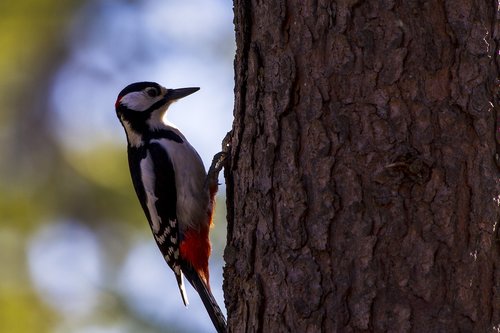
(173, 188)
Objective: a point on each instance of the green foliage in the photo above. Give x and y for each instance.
(44, 181)
(22, 312)
(20, 308)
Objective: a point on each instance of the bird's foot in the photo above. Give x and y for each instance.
(218, 162)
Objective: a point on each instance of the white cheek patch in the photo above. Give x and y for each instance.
(138, 101)
(134, 138)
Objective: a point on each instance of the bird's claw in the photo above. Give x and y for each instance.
(218, 163)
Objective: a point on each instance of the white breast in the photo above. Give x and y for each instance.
(192, 199)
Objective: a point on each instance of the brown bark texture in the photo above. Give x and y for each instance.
(362, 187)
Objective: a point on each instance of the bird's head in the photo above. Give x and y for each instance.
(142, 105)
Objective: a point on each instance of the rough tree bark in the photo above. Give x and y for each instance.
(362, 188)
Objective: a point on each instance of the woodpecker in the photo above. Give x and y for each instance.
(175, 192)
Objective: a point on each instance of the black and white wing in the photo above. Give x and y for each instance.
(155, 186)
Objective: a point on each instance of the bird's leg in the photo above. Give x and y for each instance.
(212, 180)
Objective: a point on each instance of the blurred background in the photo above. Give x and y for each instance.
(76, 252)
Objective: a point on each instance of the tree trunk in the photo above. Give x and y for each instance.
(362, 187)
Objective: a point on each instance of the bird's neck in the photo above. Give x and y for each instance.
(154, 127)
(157, 121)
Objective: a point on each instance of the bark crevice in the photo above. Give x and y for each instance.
(362, 178)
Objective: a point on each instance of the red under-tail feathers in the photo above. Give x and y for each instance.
(195, 250)
(195, 247)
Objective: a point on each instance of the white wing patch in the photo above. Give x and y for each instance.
(192, 199)
(148, 180)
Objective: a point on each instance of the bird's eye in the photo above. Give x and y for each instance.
(152, 92)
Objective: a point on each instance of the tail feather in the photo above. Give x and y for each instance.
(207, 298)
(182, 288)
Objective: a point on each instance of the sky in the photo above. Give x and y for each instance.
(109, 45)
(175, 43)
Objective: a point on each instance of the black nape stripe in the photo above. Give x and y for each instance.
(166, 134)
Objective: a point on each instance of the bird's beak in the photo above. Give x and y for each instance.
(175, 94)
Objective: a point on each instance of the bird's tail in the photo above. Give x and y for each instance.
(182, 288)
(207, 298)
